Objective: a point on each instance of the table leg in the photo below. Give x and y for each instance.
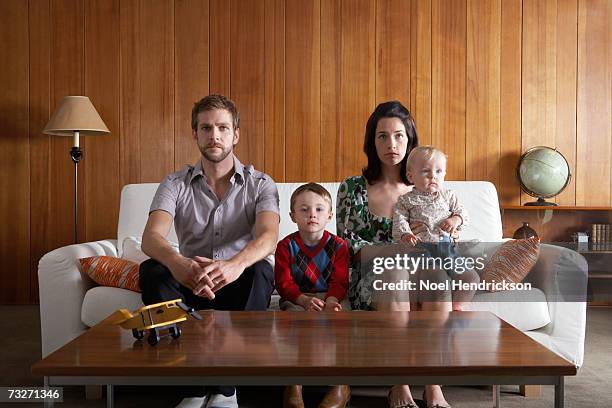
(110, 397)
(497, 395)
(559, 391)
(48, 401)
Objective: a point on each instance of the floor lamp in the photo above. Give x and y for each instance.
(74, 117)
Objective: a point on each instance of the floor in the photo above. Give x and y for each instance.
(592, 387)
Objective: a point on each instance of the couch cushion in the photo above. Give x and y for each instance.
(100, 302)
(479, 197)
(132, 249)
(480, 200)
(525, 310)
(134, 212)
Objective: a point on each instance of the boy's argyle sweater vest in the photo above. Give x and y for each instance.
(302, 269)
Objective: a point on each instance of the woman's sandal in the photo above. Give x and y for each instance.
(435, 405)
(408, 405)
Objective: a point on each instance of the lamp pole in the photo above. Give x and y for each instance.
(76, 155)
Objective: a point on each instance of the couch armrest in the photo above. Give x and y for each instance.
(562, 275)
(62, 286)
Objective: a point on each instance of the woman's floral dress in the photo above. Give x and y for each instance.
(359, 227)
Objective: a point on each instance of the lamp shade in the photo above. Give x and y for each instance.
(76, 114)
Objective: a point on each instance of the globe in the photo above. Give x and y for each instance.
(543, 172)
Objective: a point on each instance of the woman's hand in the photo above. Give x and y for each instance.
(410, 238)
(417, 227)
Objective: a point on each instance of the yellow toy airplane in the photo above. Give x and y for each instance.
(156, 317)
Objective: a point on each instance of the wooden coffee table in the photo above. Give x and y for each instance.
(283, 348)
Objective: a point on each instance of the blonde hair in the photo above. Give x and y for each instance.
(425, 152)
(312, 187)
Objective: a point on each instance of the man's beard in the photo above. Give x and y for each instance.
(215, 158)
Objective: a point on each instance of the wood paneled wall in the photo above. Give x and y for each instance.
(485, 79)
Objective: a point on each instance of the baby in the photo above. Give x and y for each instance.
(437, 208)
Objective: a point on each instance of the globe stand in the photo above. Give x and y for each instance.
(541, 202)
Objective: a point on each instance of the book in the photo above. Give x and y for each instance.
(601, 237)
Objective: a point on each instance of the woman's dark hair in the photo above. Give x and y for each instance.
(390, 109)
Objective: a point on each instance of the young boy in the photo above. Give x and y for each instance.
(311, 265)
(311, 272)
(437, 208)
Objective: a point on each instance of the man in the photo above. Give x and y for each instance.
(226, 217)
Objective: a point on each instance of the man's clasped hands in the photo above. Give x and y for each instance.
(205, 276)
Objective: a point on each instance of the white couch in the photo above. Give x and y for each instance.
(70, 301)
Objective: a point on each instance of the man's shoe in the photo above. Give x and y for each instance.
(337, 397)
(221, 401)
(292, 397)
(195, 402)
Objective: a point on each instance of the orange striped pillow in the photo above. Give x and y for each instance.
(512, 261)
(111, 271)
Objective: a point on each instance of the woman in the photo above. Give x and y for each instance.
(364, 218)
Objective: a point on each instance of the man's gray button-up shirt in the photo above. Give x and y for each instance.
(206, 226)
